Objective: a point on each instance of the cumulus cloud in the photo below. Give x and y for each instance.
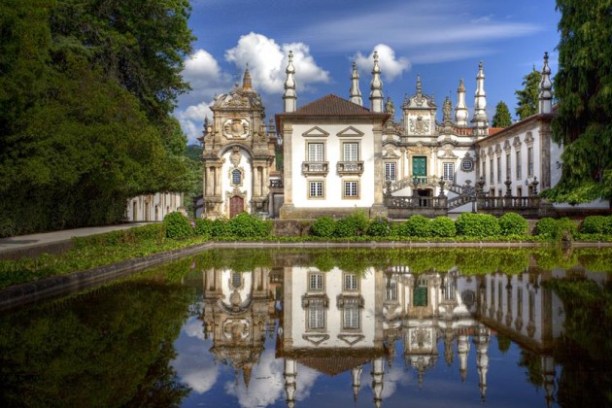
(267, 61)
(390, 66)
(191, 119)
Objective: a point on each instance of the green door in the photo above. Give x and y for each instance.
(419, 168)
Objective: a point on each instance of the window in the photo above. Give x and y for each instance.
(351, 282)
(316, 317)
(519, 191)
(449, 171)
(236, 281)
(508, 167)
(390, 173)
(351, 189)
(519, 174)
(350, 151)
(315, 189)
(530, 162)
(350, 317)
(491, 171)
(499, 169)
(316, 152)
(315, 282)
(484, 170)
(236, 177)
(391, 291)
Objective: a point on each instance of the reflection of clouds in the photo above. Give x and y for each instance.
(394, 376)
(194, 364)
(267, 384)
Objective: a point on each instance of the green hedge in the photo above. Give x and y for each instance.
(597, 224)
(416, 226)
(323, 227)
(550, 228)
(513, 224)
(443, 227)
(477, 225)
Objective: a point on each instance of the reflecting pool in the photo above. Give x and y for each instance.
(324, 328)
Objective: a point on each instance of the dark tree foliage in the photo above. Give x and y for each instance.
(86, 92)
(527, 103)
(583, 87)
(502, 117)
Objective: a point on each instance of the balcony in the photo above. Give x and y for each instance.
(349, 168)
(315, 168)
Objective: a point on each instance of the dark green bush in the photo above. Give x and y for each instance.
(352, 225)
(323, 227)
(513, 224)
(443, 227)
(477, 225)
(219, 228)
(546, 227)
(247, 225)
(203, 227)
(416, 226)
(177, 226)
(379, 227)
(597, 224)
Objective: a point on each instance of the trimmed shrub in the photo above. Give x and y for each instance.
(323, 227)
(246, 225)
(477, 225)
(219, 228)
(563, 228)
(416, 226)
(597, 224)
(203, 227)
(443, 227)
(177, 226)
(352, 225)
(512, 224)
(379, 227)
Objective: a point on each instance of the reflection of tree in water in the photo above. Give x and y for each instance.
(533, 363)
(585, 349)
(503, 343)
(82, 352)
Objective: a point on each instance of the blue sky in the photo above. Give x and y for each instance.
(440, 40)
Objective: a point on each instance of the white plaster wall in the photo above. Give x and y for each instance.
(333, 283)
(333, 189)
(245, 290)
(164, 202)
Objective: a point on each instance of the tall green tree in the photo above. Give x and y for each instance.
(583, 87)
(527, 103)
(86, 93)
(502, 116)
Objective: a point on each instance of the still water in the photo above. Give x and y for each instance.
(329, 328)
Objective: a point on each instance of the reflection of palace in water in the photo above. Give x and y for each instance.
(337, 321)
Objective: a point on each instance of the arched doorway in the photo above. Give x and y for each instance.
(236, 206)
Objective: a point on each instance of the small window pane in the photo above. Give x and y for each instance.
(351, 151)
(315, 152)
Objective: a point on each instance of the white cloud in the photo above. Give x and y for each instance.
(390, 66)
(267, 383)
(267, 61)
(192, 119)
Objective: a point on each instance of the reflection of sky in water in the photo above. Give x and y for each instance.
(216, 384)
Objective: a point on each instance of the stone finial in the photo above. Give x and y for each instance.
(545, 95)
(376, 94)
(290, 95)
(247, 83)
(355, 92)
(461, 112)
(480, 119)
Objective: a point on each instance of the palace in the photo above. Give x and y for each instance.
(339, 156)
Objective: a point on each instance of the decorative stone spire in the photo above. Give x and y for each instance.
(463, 349)
(376, 95)
(447, 108)
(419, 87)
(290, 96)
(356, 374)
(378, 371)
(481, 341)
(545, 96)
(355, 92)
(290, 375)
(461, 112)
(480, 120)
(247, 84)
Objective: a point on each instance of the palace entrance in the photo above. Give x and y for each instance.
(236, 206)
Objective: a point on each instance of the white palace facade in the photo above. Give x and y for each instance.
(340, 156)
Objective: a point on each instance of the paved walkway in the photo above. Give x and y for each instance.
(26, 242)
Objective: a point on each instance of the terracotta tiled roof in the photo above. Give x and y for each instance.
(494, 130)
(332, 105)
